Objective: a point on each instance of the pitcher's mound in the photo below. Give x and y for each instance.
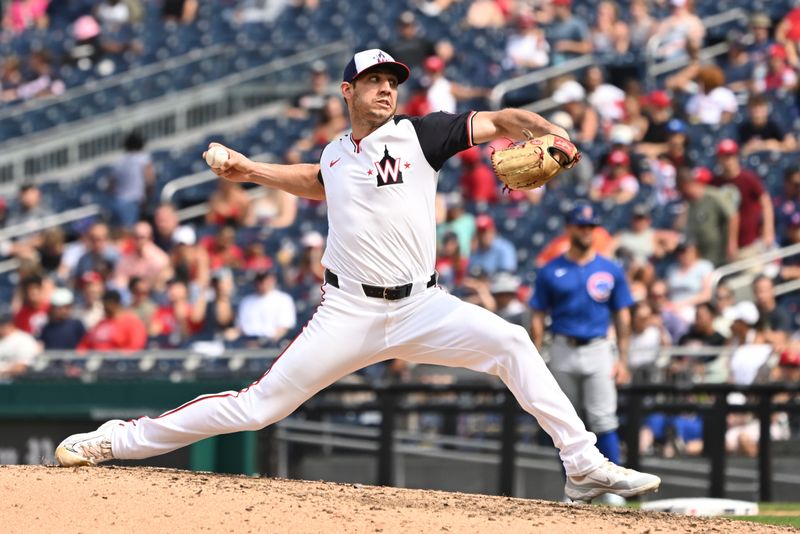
(145, 500)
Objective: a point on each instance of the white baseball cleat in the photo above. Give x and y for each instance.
(610, 478)
(90, 448)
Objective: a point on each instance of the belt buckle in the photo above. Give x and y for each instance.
(385, 293)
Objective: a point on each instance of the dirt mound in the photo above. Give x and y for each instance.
(144, 500)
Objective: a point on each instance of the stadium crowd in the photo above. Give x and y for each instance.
(678, 169)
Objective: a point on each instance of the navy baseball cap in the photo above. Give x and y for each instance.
(583, 214)
(367, 59)
(676, 126)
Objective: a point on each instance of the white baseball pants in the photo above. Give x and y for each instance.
(349, 332)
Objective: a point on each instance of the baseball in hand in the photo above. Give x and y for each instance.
(216, 156)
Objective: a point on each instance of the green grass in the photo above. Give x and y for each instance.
(788, 514)
(774, 513)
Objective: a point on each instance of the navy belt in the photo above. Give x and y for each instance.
(388, 293)
(578, 341)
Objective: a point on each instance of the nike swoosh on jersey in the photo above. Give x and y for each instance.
(560, 272)
(334, 162)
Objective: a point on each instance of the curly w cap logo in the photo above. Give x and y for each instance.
(600, 285)
(389, 172)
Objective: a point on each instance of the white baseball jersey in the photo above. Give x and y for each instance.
(380, 192)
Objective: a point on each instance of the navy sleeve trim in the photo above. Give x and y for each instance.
(442, 135)
(319, 177)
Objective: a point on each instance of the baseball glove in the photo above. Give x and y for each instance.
(532, 163)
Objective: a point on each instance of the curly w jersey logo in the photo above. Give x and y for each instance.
(600, 285)
(389, 172)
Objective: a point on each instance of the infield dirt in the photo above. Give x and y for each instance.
(138, 500)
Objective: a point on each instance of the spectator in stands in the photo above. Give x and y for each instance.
(790, 267)
(10, 78)
(311, 102)
(451, 263)
(643, 241)
(142, 305)
(787, 203)
(571, 96)
(119, 330)
(331, 123)
(486, 14)
(658, 299)
(751, 351)
(24, 14)
(165, 221)
(179, 319)
(478, 181)
(774, 321)
(411, 48)
(255, 257)
(273, 208)
(647, 338)
(714, 103)
(266, 315)
(788, 34)
(658, 110)
(131, 182)
(90, 309)
(607, 99)
(112, 14)
(616, 183)
(458, 221)
(492, 253)
(610, 35)
(219, 316)
(569, 36)
(223, 250)
(680, 31)
(183, 11)
(702, 330)
(17, 348)
(32, 313)
(309, 272)
(190, 262)
(228, 204)
(29, 206)
(710, 220)
(504, 288)
(101, 254)
(47, 249)
(756, 224)
(444, 94)
(759, 132)
(144, 260)
(737, 65)
(526, 48)
(760, 25)
(677, 141)
(641, 25)
(42, 82)
(689, 280)
(780, 76)
(724, 300)
(62, 331)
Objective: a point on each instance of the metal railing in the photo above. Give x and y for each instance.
(741, 266)
(165, 116)
(655, 68)
(537, 77)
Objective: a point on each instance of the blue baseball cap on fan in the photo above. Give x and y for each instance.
(367, 59)
(583, 214)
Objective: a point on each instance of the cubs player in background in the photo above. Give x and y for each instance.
(380, 298)
(582, 292)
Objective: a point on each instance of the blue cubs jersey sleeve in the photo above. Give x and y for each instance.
(580, 298)
(442, 135)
